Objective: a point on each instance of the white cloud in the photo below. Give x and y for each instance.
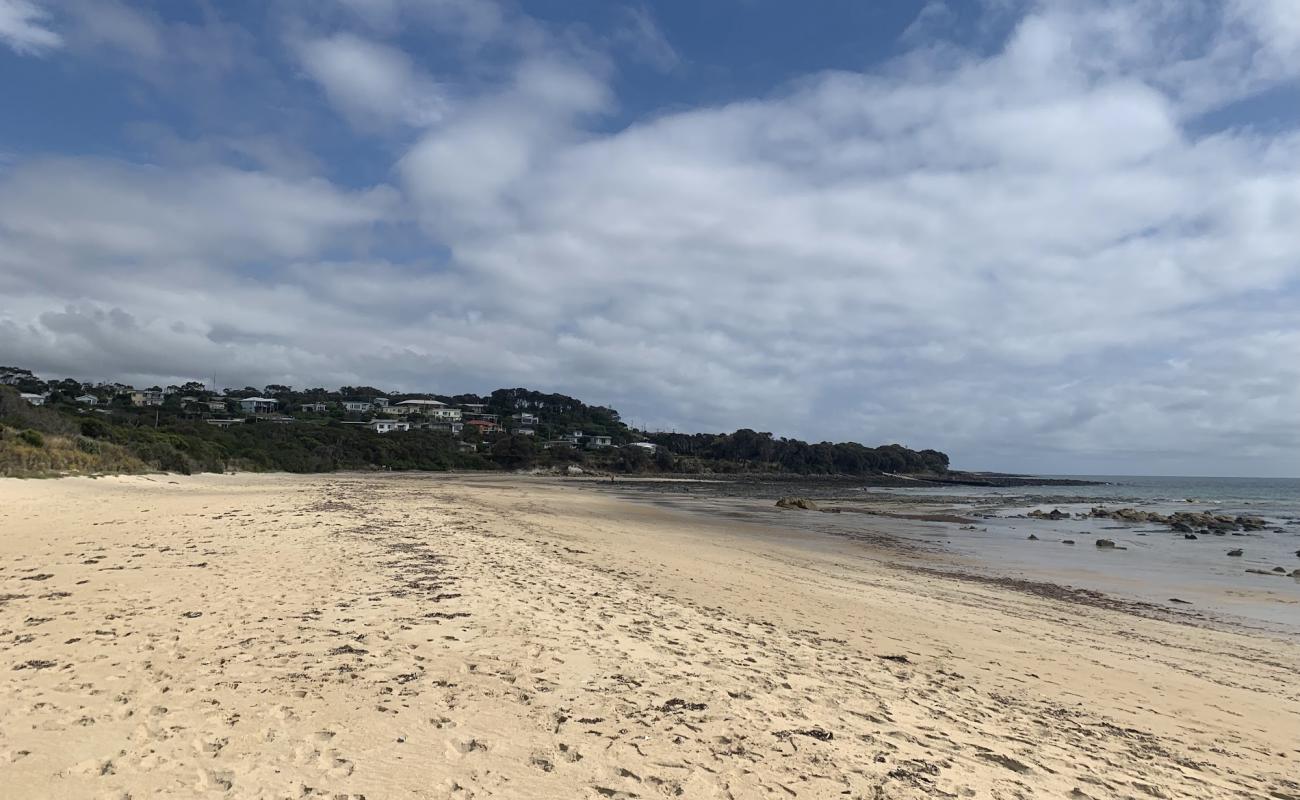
(1027, 258)
(23, 27)
(641, 35)
(474, 21)
(72, 209)
(458, 172)
(374, 84)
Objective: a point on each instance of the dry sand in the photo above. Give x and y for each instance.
(405, 636)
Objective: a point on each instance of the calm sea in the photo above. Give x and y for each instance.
(1152, 562)
(1249, 495)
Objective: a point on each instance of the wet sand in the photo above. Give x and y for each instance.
(433, 636)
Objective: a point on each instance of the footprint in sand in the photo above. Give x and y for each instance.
(458, 748)
(210, 780)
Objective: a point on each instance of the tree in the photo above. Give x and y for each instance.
(632, 459)
(514, 452)
(564, 454)
(664, 461)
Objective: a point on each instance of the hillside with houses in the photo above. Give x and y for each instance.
(198, 427)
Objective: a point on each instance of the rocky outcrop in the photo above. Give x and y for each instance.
(1235, 553)
(1183, 521)
(1105, 543)
(796, 502)
(1054, 514)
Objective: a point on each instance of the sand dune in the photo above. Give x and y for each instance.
(415, 636)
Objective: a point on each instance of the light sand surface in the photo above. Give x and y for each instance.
(410, 636)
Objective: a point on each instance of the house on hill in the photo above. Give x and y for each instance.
(454, 428)
(86, 400)
(258, 405)
(147, 397)
(484, 426)
(317, 408)
(388, 426)
(591, 442)
(433, 409)
(356, 406)
(34, 399)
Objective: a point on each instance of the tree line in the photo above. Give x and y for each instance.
(175, 439)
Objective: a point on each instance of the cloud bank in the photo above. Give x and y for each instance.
(1033, 254)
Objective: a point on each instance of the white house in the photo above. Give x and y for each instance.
(360, 406)
(379, 402)
(525, 432)
(430, 408)
(258, 405)
(650, 446)
(388, 426)
(422, 404)
(87, 400)
(596, 442)
(223, 423)
(34, 399)
(525, 419)
(319, 408)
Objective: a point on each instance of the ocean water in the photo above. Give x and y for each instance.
(1152, 563)
(1263, 496)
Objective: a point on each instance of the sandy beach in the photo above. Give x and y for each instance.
(412, 636)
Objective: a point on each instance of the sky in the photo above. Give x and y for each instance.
(1043, 235)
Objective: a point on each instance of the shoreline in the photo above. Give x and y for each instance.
(423, 635)
(930, 533)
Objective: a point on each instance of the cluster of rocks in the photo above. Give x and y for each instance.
(1185, 522)
(1188, 523)
(1053, 515)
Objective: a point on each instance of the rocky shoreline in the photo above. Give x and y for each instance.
(1190, 522)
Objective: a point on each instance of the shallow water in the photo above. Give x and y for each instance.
(1151, 563)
